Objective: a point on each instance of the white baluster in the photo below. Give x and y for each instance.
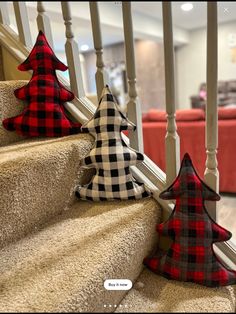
(172, 142)
(211, 172)
(22, 22)
(43, 22)
(4, 14)
(101, 74)
(133, 106)
(72, 53)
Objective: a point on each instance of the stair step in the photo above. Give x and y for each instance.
(154, 294)
(62, 266)
(10, 106)
(37, 181)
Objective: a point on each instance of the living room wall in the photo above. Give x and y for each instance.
(149, 70)
(150, 74)
(9, 68)
(190, 62)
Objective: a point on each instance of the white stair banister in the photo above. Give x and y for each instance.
(101, 74)
(72, 54)
(172, 142)
(211, 172)
(22, 22)
(43, 22)
(4, 14)
(133, 107)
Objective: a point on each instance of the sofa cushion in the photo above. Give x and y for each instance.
(155, 115)
(190, 115)
(226, 113)
(181, 115)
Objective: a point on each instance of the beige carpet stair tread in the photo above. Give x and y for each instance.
(62, 266)
(37, 181)
(154, 294)
(32, 145)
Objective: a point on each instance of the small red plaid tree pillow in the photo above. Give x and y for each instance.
(191, 256)
(45, 113)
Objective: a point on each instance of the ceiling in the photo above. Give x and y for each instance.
(147, 16)
(190, 20)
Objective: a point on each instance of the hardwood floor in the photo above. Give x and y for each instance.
(226, 213)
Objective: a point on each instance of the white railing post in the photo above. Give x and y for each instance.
(72, 54)
(172, 143)
(101, 75)
(133, 107)
(43, 22)
(4, 14)
(22, 22)
(211, 172)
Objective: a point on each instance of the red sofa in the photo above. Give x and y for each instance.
(191, 130)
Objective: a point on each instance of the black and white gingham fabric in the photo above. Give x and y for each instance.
(110, 156)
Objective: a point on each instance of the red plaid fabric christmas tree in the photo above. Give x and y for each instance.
(45, 114)
(191, 256)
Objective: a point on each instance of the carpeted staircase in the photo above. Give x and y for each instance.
(56, 252)
(37, 179)
(154, 294)
(63, 265)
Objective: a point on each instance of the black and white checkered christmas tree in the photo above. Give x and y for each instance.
(111, 157)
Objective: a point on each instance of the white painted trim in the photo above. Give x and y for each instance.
(226, 253)
(10, 40)
(172, 141)
(211, 174)
(72, 53)
(133, 106)
(43, 22)
(22, 22)
(101, 76)
(139, 175)
(4, 14)
(75, 112)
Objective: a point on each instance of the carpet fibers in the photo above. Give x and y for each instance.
(62, 266)
(154, 294)
(37, 181)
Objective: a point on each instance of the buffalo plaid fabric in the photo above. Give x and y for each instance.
(191, 256)
(110, 156)
(45, 114)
